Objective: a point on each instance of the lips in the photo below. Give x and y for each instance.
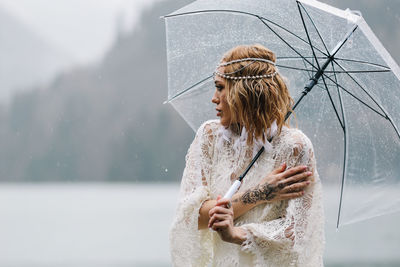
(219, 112)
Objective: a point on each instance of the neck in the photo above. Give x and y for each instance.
(236, 128)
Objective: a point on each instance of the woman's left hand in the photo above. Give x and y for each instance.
(221, 220)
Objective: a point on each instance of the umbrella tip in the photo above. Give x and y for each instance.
(355, 12)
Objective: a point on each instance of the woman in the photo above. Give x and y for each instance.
(274, 219)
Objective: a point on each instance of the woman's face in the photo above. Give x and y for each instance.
(219, 99)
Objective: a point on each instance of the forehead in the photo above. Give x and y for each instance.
(217, 78)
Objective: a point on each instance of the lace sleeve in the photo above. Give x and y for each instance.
(189, 246)
(297, 234)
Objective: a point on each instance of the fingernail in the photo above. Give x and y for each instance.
(308, 182)
(309, 173)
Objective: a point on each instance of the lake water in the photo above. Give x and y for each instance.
(121, 225)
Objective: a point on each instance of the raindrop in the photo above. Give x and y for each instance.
(166, 170)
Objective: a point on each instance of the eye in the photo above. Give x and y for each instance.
(219, 88)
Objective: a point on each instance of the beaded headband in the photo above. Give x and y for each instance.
(227, 75)
(247, 59)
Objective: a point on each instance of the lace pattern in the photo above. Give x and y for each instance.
(284, 233)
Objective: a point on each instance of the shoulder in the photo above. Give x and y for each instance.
(206, 134)
(295, 140)
(208, 128)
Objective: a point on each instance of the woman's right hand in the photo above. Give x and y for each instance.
(280, 184)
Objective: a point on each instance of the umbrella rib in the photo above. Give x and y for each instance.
(357, 71)
(292, 33)
(385, 68)
(308, 36)
(283, 40)
(309, 72)
(293, 68)
(333, 104)
(187, 89)
(340, 45)
(345, 147)
(292, 57)
(347, 91)
(312, 22)
(364, 62)
(369, 95)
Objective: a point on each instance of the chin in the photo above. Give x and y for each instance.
(224, 122)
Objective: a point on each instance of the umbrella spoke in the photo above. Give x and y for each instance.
(283, 40)
(333, 104)
(300, 7)
(187, 89)
(386, 116)
(341, 44)
(312, 70)
(345, 146)
(354, 96)
(308, 36)
(363, 62)
(357, 71)
(316, 29)
(293, 68)
(293, 57)
(336, 83)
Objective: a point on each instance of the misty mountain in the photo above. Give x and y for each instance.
(107, 122)
(26, 58)
(104, 122)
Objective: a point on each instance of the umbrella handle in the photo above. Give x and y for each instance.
(234, 187)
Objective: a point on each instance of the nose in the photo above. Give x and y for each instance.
(215, 99)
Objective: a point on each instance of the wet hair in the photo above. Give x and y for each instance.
(256, 103)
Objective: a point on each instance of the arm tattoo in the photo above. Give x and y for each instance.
(260, 193)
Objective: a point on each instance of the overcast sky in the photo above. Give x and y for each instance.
(82, 28)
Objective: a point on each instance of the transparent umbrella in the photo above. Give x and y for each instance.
(346, 87)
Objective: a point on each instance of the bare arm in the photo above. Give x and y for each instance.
(280, 184)
(238, 206)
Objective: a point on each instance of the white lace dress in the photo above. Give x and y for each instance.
(283, 233)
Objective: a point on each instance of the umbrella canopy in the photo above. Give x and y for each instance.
(352, 110)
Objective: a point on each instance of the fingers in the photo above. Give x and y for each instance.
(219, 226)
(219, 209)
(301, 177)
(295, 187)
(293, 171)
(279, 169)
(292, 195)
(218, 218)
(297, 178)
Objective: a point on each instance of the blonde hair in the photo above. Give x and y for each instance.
(256, 103)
